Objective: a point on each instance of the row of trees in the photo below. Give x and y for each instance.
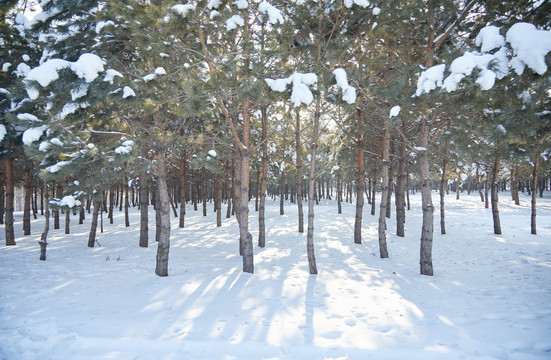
(94, 92)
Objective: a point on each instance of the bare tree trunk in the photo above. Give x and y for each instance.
(360, 181)
(263, 185)
(479, 185)
(486, 195)
(311, 183)
(298, 149)
(426, 199)
(282, 193)
(229, 191)
(161, 267)
(111, 204)
(94, 224)
(58, 194)
(67, 221)
(144, 204)
(495, 209)
(2, 195)
(389, 191)
(514, 184)
(10, 184)
(401, 187)
(383, 252)
(457, 184)
(204, 190)
(218, 186)
(534, 193)
(43, 243)
(374, 187)
(442, 194)
(339, 193)
(182, 189)
(28, 196)
(126, 204)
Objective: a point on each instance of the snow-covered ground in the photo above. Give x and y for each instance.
(489, 298)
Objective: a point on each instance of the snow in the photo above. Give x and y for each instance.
(87, 67)
(183, 9)
(233, 22)
(501, 129)
(79, 92)
(22, 70)
(212, 153)
(214, 14)
(56, 167)
(33, 134)
(6, 66)
(489, 39)
(125, 148)
(430, 79)
(530, 47)
(242, 4)
(395, 111)
(213, 4)
(362, 3)
(126, 92)
(110, 75)
(3, 132)
(376, 11)
(487, 300)
(56, 141)
(274, 14)
(160, 71)
(68, 201)
(25, 57)
(300, 93)
(349, 92)
(420, 148)
(101, 24)
(149, 77)
(28, 117)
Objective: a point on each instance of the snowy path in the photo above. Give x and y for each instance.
(489, 298)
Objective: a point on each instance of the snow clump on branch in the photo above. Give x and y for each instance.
(274, 15)
(348, 92)
(300, 93)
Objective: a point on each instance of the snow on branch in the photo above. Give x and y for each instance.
(300, 93)
(87, 67)
(348, 92)
(529, 45)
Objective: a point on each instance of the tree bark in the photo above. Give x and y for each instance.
(218, 189)
(533, 229)
(360, 180)
(495, 209)
(311, 183)
(229, 191)
(43, 243)
(442, 194)
(514, 184)
(426, 199)
(58, 194)
(339, 193)
(94, 224)
(27, 206)
(401, 187)
(383, 252)
(161, 267)
(182, 189)
(264, 182)
(374, 187)
(10, 184)
(144, 204)
(2, 195)
(298, 150)
(126, 204)
(204, 190)
(282, 193)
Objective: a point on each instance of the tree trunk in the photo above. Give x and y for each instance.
(298, 150)
(264, 182)
(94, 224)
(204, 190)
(383, 252)
(158, 214)
(218, 189)
(43, 243)
(2, 195)
(339, 193)
(533, 203)
(426, 199)
(161, 267)
(243, 166)
(111, 204)
(311, 184)
(229, 191)
(126, 204)
(282, 193)
(182, 189)
(495, 209)
(442, 194)
(10, 184)
(479, 185)
(486, 196)
(58, 194)
(67, 221)
(144, 204)
(28, 197)
(401, 187)
(374, 187)
(514, 185)
(389, 188)
(360, 181)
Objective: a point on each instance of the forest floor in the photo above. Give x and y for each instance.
(489, 297)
